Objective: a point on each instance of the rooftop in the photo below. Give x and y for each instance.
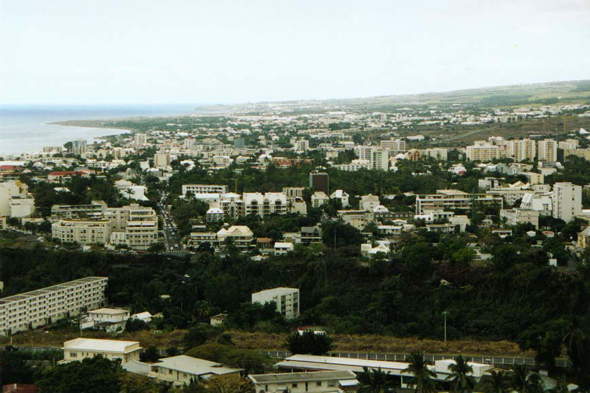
(303, 377)
(195, 366)
(100, 345)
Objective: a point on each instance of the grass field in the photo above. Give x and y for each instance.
(273, 341)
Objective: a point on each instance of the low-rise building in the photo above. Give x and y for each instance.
(299, 382)
(110, 320)
(84, 348)
(239, 235)
(180, 370)
(520, 216)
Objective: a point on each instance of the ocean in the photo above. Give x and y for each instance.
(27, 129)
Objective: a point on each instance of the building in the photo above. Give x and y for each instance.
(85, 348)
(285, 299)
(15, 199)
(520, 216)
(342, 196)
(204, 189)
(264, 205)
(547, 150)
(567, 201)
(140, 139)
(522, 150)
(239, 235)
(454, 200)
(302, 146)
(46, 305)
(379, 159)
(300, 382)
(281, 248)
(133, 226)
(369, 202)
(79, 148)
(484, 152)
(311, 234)
(319, 199)
(85, 232)
(161, 160)
(319, 181)
(396, 146)
(108, 319)
(180, 370)
(440, 154)
(542, 203)
(95, 209)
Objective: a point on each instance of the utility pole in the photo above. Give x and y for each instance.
(445, 313)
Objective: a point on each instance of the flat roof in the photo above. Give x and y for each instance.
(101, 345)
(111, 311)
(196, 366)
(53, 288)
(303, 376)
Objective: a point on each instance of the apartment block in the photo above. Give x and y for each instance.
(204, 189)
(522, 150)
(285, 299)
(395, 145)
(547, 150)
(484, 152)
(82, 231)
(93, 210)
(264, 205)
(567, 201)
(520, 216)
(454, 200)
(46, 305)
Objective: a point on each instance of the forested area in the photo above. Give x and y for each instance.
(517, 297)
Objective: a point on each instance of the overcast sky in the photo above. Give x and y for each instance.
(218, 51)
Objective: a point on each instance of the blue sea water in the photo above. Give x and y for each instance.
(28, 128)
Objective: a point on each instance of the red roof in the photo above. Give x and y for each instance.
(68, 173)
(9, 167)
(19, 388)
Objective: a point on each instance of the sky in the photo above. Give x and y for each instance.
(218, 51)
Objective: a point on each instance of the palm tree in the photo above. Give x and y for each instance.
(460, 378)
(423, 376)
(496, 382)
(375, 381)
(523, 381)
(574, 340)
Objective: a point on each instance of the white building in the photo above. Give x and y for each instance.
(318, 199)
(520, 216)
(264, 205)
(84, 232)
(286, 300)
(522, 150)
(15, 200)
(309, 381)
(342, 196)
(161, 160)
(84, 348)
(46, 305)
(547, 150)
(484, 152)
(369, 202)
(395, 145)
(453, 200)
(180, 370)
(140, 139)
(108, 319)
(204, 189)
(239, 235)
(281, 248)
(567, 201)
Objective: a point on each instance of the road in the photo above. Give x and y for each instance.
(172, 240)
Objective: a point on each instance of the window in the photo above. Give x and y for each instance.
(293, 385)
(73, 354)
(319, 383)
(331, 384)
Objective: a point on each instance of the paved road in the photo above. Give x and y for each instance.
(171, 238)
(400, 357)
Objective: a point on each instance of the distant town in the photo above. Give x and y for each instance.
(255, 249)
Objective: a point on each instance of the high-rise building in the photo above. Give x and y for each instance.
(140, 139)
(547, 150)
(522, 150)
(161, 160)
(483, 152)
(79, 148)
(380, 159)
(319, 181)
(567, 201)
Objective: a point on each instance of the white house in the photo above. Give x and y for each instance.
(285, 299)
(82, 348)
(342, 196)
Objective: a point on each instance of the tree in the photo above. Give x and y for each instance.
(309, 342)
(495, 382)
(135, 383)
(14, 368)
(375, 381)
(229, 385)
(150, 355)
(91, 375)
(522, 381)
(460, 378)
(423, 377)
